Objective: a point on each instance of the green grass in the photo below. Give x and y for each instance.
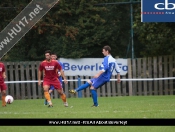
(110, 107)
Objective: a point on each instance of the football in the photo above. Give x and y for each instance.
(9, 99)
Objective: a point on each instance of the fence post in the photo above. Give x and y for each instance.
(79, 84)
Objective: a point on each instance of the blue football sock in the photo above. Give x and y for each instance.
(94, 97)
(84, 86)
(45, 101)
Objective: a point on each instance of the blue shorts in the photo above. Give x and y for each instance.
(52, 87)
(98, 82)
(61, 81)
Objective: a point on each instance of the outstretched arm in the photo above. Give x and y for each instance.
(104, 67)
(98, 74)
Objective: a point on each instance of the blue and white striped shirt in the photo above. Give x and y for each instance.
(109, 64)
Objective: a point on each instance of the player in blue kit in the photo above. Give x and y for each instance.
(108, 66)
(54, 57)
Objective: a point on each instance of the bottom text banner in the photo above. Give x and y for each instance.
(87, 122)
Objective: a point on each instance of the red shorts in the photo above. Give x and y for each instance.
(55, 83)
(3, 86)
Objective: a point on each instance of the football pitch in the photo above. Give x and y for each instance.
(110, 107)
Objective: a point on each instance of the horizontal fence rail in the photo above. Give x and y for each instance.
(146, 76)
(129, 79)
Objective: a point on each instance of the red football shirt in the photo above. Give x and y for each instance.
(50, 69)
(2, 69)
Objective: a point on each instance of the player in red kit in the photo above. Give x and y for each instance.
(3, 86)
(51, 68)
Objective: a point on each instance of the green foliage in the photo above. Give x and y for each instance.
(156, 39)
(79, 28)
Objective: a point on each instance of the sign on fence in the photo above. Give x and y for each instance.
(89, 66)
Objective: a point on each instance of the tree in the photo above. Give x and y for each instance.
(156, 39)
(80, 28)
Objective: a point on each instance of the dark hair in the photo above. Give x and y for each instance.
(107, 48)
(58, 56)
(48, 51)
(54, 54)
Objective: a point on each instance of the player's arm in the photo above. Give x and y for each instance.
(104, 67)
(59, 68)
(62, 66)
(118, 78)
(98, 74)
(4, 75)
(43, 73)
(3, 72)
(39, 77)
(40, 74)
(63, 75)
(117, 69)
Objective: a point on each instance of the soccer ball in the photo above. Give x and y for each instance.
(9, 99)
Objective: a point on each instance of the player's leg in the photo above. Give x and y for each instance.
(94, 96)
(97, 82)
(63, 97)
(61, 82)
(50, 92)
(84, 86)
(46, 86)
(3, 94)
(57, 86)
(3, 88)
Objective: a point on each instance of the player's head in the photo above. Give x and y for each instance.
(53, 56)
(106, 50)
(48, 55)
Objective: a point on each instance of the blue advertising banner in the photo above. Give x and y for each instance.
(158, 11)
